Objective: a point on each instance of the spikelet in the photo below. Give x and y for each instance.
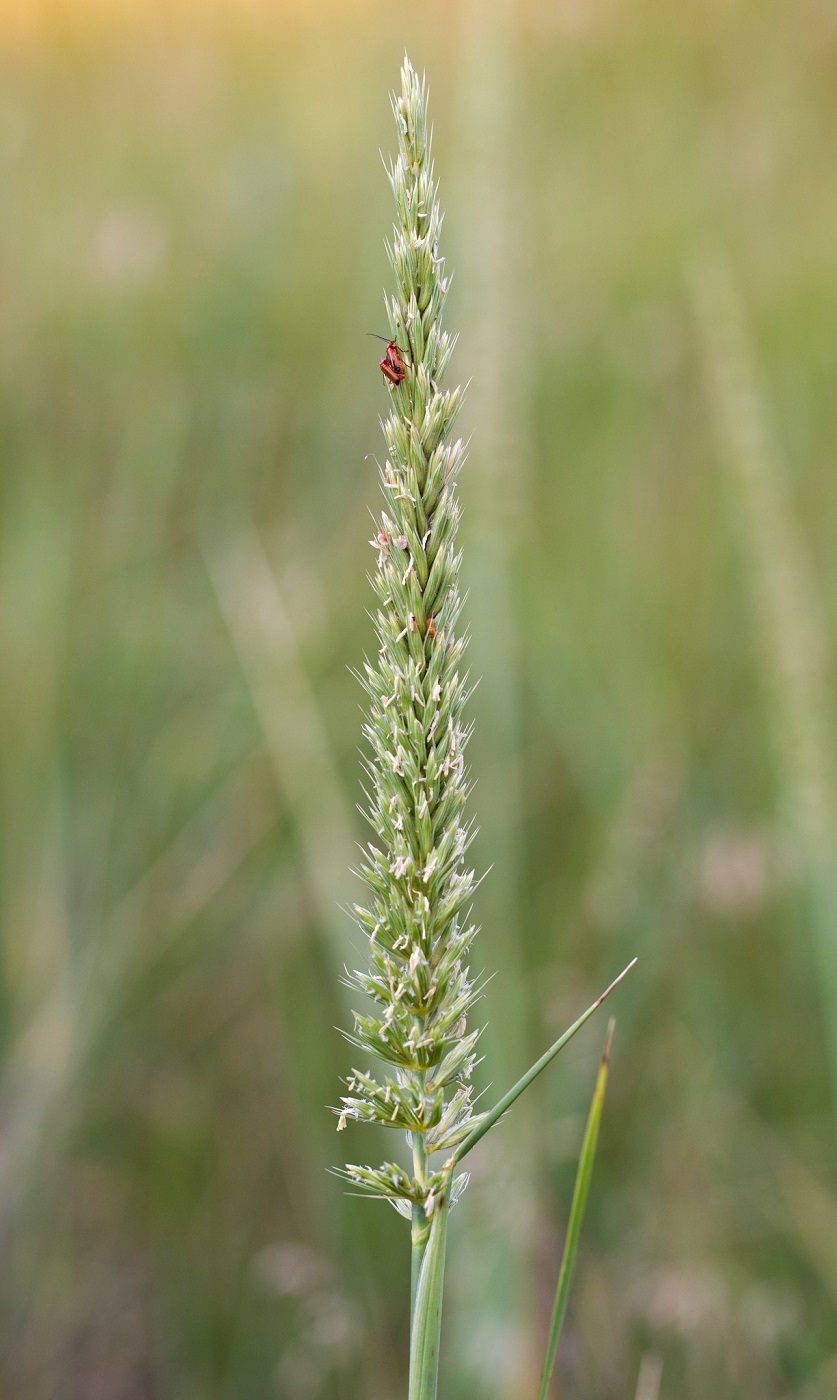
(419, 887)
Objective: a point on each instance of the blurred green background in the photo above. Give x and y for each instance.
(642, 221)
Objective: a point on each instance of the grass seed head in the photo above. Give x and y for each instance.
(418, 886)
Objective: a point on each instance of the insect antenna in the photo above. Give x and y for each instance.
(390, 340)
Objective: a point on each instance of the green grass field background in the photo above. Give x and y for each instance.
(191, 255)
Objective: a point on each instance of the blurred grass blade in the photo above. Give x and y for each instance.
(531, 1075)
(252, 603)
(650, 1377)
(582, 1186)
(496, 296)
(789, 612)
(426, 1330)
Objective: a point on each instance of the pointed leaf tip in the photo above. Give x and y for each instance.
(505, 1103)
(615, 983)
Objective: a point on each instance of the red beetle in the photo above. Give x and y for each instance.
(392, 366)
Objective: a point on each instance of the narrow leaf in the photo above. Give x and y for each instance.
(531, 1074)
(582, 1186)
(426, 1329)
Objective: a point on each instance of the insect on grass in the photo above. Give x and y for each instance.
(393, 366)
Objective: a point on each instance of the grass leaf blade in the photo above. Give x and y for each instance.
(582, 1186)
(531, 1075)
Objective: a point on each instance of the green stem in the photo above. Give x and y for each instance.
(426, 1328)
(419, 1236)
(420, 1227)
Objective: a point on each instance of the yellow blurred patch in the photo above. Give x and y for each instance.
(31, 22)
